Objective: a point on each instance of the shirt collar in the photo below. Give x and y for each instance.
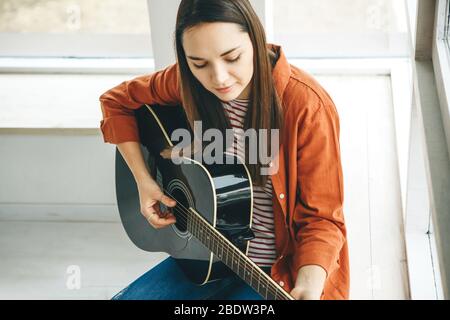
(282, 70)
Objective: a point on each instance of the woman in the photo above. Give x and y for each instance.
(226, 75)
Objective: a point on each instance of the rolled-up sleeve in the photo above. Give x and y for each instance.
(118, 104)
(318, 219)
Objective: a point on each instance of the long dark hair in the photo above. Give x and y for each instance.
(264, 109)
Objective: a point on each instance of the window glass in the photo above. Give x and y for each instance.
(341, 27)
(75, 28)
(67, 16)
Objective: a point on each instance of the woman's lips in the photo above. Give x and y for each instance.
(226, 89)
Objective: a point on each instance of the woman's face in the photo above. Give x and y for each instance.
(220, 56)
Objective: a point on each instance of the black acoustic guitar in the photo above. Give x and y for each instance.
(213, 212)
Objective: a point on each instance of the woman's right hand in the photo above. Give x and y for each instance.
(150, 195)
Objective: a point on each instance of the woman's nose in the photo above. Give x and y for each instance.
(219, 76)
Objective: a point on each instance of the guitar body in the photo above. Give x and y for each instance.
(220, 193)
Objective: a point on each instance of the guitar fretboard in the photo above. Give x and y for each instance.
(235, 259)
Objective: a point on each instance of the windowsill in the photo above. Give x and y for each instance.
(76, 65)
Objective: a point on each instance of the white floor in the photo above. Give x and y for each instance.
(37, 259)
(35, 255)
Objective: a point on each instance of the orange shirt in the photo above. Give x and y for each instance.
(308, 186)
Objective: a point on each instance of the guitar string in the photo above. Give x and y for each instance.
(270, 285)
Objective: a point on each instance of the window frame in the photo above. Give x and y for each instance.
(441, 62)
(43, 45)
(441, 66)
(429, 164)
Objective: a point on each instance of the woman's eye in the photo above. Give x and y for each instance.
(235, 59)
(228, 60)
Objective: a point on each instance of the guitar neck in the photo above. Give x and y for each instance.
(234, 258)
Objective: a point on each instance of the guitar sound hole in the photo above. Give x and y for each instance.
(180, 209)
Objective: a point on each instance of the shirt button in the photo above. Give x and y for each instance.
(281, 283)
(270, 164)
(281, 195)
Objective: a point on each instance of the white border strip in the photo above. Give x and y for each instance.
(76, 65)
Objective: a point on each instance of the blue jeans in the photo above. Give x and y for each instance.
(166, 281)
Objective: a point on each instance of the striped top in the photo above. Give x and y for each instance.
(261, 249)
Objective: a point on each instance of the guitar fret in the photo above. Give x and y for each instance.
(242, 270)
(257, 281)
(267, 287)
(250, 279)
(221, 253)
(227, 258)
(214, 249)
(273, 295)
(253, 280)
